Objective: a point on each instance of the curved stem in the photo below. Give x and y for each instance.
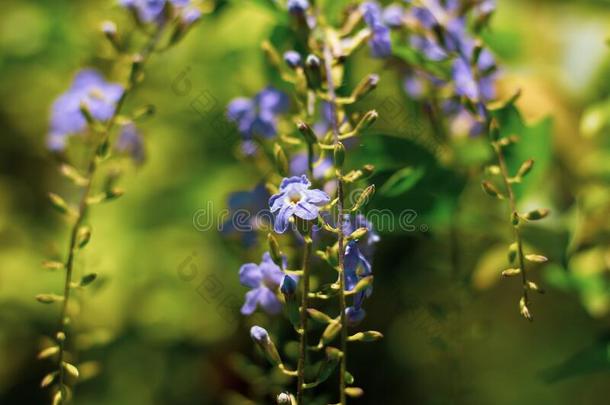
(83, 209)
(303, 320)
(332, 97)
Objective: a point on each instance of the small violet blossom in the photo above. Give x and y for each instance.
(258, 116)
(90, 90)
(152, 11)
(264, 280)
(295, 198)
(379, 42)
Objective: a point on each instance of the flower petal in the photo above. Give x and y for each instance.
(281, 218)
(269, 301)
(317, 197)
(250, 275)
(252, 299)
(305, 210)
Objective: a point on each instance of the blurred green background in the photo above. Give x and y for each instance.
(453, 331)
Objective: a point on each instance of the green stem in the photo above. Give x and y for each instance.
(83, 209)
(332, 100)
(303, 320)
(513, 209)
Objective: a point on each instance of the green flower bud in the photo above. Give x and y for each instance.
(491, 190)
(525, 168)
(365, 86)
(307, 132)
(537, 214)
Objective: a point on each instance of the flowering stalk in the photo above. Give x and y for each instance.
(302, 162)
(99, 106)
(83, 206)
(515, 252)
(339, 149)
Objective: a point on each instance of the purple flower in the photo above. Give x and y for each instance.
(359, 221)
(414, 85)
(153, 10)
(258, 116)
(263, 279)
(428, 47)
(371, 12)
(130, 141)
(380, 42)
(247, 211)
(356, 267)
(89, 89)
(465, 84)
(190, 15)
(393, 15)
(295, 198)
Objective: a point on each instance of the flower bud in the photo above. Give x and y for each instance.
(307, 132)
(524, 310)
(262, 339)
(525, 168)
(367, 120)
(313, 71)
(534, 287)
(330, 332)
(365, 86)
(297, 7)
(293, 59)
(368, 336)
(536, 258)
(511, 272)
(491, 190)
(288, 287)
(110, 32)
(364, 197)
(136, 68)
(537, 214)
(284, 399)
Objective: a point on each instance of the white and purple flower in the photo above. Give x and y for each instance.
(295, 198)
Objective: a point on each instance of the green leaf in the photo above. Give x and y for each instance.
(402, 181)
